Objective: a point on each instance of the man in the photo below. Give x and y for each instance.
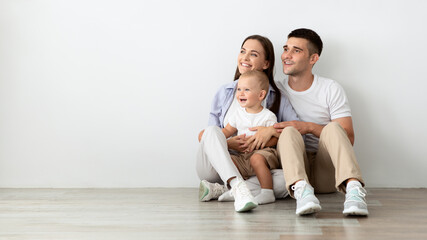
(325, 160)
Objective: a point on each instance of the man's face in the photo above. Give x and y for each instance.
(296, 57)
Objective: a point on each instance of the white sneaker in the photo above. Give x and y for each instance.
(209, 191)
(355, 203)
(307, 203)
(243, 199)
(226, 197)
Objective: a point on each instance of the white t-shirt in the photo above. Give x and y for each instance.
(323, 102)
(234, 106)
(243, 120)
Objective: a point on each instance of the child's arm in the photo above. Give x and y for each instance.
(229, 131)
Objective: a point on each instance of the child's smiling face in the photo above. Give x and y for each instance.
(249, 92)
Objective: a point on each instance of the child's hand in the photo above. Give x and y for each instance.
(201, 134)
(237, 142)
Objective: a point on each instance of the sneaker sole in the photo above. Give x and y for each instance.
(309, 208)
(354, 211)
(248, 206)
(203, 192)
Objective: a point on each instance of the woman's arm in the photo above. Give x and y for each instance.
(272, 142)
(286, 111)
(201, 134)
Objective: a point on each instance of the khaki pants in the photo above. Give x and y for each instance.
(326, 170)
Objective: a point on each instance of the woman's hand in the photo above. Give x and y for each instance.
(260, 139)
(201, 134)
(237, 143)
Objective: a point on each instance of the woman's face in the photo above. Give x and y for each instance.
(252, 57)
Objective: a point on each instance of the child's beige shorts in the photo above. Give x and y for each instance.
(242, 161)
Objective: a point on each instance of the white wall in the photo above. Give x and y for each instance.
(113, 93)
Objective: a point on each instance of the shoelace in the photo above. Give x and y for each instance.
(244, 191)
(359, 197)
(298, 191)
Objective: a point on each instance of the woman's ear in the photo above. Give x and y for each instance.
(266, 65)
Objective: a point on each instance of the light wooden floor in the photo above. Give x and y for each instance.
(164, 213)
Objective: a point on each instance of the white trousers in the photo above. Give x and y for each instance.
(214, 164)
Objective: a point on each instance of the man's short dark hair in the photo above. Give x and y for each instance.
(315, 44)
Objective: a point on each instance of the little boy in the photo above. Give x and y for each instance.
(251, 90)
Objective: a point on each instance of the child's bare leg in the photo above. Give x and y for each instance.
(259, 164)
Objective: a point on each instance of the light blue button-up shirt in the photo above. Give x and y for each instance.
(224, 97)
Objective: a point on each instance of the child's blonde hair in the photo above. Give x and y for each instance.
(261, 77)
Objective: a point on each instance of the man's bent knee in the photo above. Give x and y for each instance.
(290, 130)
(333, 126)
(289, 133)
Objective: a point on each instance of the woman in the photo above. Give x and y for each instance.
(214, 164)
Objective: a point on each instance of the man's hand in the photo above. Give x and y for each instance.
(237, 143)
(302, 127)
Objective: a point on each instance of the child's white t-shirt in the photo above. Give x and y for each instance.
(235, 106)
(243, 120)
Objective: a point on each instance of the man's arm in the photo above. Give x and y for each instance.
(347, 124)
